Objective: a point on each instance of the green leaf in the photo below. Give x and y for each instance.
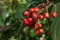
(44, 21)
(23, 2)
(27, 38)
(6, 13)
(20, 36)
(19, 14)
(25, 29)
(32, 33)
(55, 27)
(12, 38)
(1, 22)
(1, 34)
(19, 11)
(8, 1)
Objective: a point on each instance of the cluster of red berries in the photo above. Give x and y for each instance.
(33, 16)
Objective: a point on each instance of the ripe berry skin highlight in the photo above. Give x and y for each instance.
(37, 32)
(37, 9)
(26, 22)
(36, 26)
(46, 15)
(24, 19)
(41, 31)
(54, 14)
(40, 25)
(30, 19)
(41, 16)
(32, 10)
(34, 15)
(26, 13)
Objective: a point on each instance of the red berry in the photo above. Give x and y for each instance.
(25, 20)
(32, 9)
(34, 15)
(41, 17)
(26, 13)
(54, 14)
(37, 9)
(26, 23)
(35, 26)
(37, 32)
(29, 19)
(46, 15)
(41, 31)
(40, 25)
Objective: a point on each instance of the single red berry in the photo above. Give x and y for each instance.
(24, 19)
(41, 17)
(40, 25)
(46, 15)
(26, 13)
(34, 15)
(29, 19)
(32, 9)
(54, 14)
(26, 23)
(37, 9)
(36, 26)
(37, 32)
(41, 31)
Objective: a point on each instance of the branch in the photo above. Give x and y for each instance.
(43, 6)
(17, 33)
(54, 7)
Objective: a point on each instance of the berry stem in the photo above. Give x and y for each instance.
(54, 7)
(43, 5)
(38, 22)
(46, 8)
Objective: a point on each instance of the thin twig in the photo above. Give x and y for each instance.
(43, 4)
(19, 29)
(54, 7)
(46, 9)
(40, 5)
(43, 7)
